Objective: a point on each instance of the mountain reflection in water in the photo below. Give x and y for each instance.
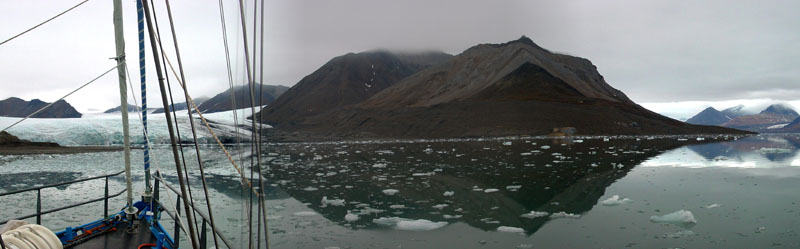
(493, 182)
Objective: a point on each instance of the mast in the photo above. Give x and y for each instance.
(173, 140)
(148, 192)
(123, 98)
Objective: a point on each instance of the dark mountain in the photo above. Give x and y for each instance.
(182, 105)
(793, 127)
(16, 107)
(709, 116)
(346, 80)
(513, 88)
(131, 108)
(780, 109)
(222, 102)
(766, 120)
(735, 111)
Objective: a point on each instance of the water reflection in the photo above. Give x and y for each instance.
(763, 151)
(485, 184)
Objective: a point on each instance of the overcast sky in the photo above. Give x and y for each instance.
(665, 54)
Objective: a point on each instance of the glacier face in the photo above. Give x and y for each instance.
(106, 128)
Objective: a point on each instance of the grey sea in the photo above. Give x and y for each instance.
(521, 192)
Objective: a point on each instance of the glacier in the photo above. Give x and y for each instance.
(103, 129)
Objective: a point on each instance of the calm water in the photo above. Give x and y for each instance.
(637, 192)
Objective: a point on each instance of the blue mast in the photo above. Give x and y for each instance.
(140, 24)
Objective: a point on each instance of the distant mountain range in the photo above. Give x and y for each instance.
(183, 106)
(771, 119)
(222, 102)
(709, 116)
(131, 108)
(514, 88)
(736, 111)
(16, 107)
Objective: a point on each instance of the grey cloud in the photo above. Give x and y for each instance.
(655, 51)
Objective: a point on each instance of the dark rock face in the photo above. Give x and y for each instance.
(183, 105)
(766, 120)
(131, 108)
(515, 88)
(16, 107)
(346, 80)
(8, 140)
(709, 116)
(222, 102)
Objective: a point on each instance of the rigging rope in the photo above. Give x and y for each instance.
(68, 94)
(178, 168)
(42, 23)
(191, 122)
(262, 202)
(179, 221)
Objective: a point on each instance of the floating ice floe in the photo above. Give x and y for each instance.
(379, 165)
(423, 174)
(449, 193)
(349, 217)
(447, 216)
(535, 214)
(615, 200)
(507, 229)
(419, 225)
(304, 213)
(390, 191)
(409, 224)
(310, 189)
(513, 187)
(563, 214)
(680, 217)
(544, 147)
(397, 206)
(490, 190)
(507, 143)
(715, 205)
(333, 202)
(440, 206)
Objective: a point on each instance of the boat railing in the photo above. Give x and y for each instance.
(204, 217)
(38, 190)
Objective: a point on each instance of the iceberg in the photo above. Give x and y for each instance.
(614, 201)
(563, 214)
(419, 225)
(349, 217)
(680, 217)
(409, 224)
(535, 214)
(507, 229)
